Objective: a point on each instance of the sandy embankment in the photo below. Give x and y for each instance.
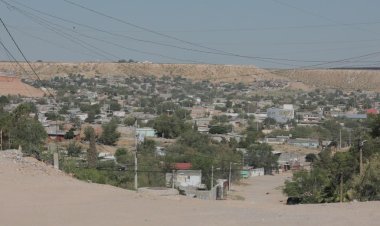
(35, 194)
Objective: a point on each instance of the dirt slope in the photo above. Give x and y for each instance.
(35, 194)
(299, 79)
(343, 79)
(14, 86)
(216, 73)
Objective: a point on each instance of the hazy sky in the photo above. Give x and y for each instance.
(291, 32)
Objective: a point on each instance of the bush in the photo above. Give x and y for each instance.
(311, 157)
(74, 149)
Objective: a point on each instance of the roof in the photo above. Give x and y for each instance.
(190, 172)
(182, 166)
(356, 116)
(302, 140)
(372, 111)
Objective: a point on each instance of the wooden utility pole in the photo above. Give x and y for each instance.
(341, 187)
(212, 176)
(361, 145)
(361, 159)
(229, 178)
(136, 179)
(1, 135)
(172, 179)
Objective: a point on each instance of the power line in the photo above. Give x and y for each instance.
(47, 41)
(105, 31)
(270, 60)
(211, 50)
(27, 14)
(10, 56)
(287, 4)
(154, 42)
(319, 62)
(23, 55)
(219, 52)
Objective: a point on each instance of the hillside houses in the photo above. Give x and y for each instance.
(144, 98)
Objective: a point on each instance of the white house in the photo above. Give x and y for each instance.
(186, 178)
(120, 114)
(82, 116)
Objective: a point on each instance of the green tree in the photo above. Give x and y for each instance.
(92, 154)
(260, 155)
(129, 121)
(74, 149)
(25, 131)
(69, 134)
(375, 125)
(109, 135)
(310, 187)
(122, 156)
(220, 129)
(367, 186)
(114, 106)
(170, 126)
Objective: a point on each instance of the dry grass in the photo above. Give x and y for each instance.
(215, 73)
(343, 79)
(299, 79)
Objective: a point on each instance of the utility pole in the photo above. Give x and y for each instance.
(229, 178)
(340, 138)
(212, 176)
(56, 154)
(361, 144)
(1, 135)
(173, 179)
(341, 187)
(136, 181)
(349, 137)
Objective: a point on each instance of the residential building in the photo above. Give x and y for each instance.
(281, 115)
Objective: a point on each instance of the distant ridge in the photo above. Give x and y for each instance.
(355, 78)
(356, 68)
(214, 73)
(344, 79)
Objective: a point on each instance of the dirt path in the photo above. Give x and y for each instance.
(265, 190)
(33, 194)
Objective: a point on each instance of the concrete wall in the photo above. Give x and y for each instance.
(202, 194)
(257, 172)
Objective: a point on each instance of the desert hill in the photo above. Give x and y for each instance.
(346, 79)
(215, 73)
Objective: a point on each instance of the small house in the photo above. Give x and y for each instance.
(306, 143)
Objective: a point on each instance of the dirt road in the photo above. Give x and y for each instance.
(33, 194)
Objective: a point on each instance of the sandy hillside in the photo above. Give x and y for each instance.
(14, 86)
(215, 73)
(343, 79)
(35, 194)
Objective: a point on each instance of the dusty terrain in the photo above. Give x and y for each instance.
(215, 73)
(14, 86)
(298, 79)
(35, 194)
(342, 79)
